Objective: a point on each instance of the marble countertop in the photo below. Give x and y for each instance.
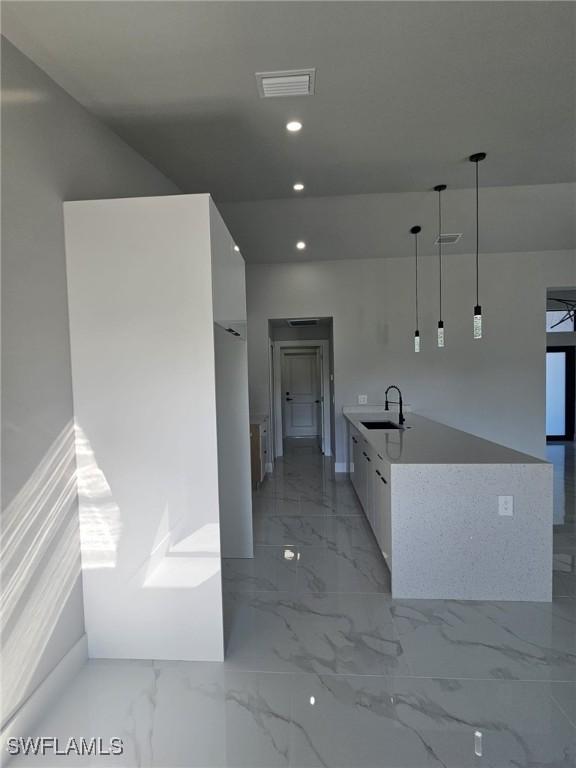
(424, 441)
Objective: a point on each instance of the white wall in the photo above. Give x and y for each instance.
(494, 388)
(52, 150)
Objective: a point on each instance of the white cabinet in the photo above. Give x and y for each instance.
(370, 476)
(228, 278)
(162, 425)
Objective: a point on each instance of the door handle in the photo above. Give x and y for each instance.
(289, 398)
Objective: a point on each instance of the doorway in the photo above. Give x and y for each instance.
(559, 393)
(301, 383)
(301, 391)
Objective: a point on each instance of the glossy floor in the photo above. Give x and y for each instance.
(325, 669)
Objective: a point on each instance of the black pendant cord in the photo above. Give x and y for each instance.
(440, 253)
(415, 230)
(416, 273)
(477, 158)
(440, 188)
(477, 242)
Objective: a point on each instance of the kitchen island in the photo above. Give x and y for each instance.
(455, 516)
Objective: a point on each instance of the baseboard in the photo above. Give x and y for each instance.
(35, 706)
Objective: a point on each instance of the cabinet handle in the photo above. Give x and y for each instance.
(354, 440)
(378, 473)
(384, 480)
(381, 457)
(366, 456)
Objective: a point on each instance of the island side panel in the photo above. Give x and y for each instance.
(449, 541)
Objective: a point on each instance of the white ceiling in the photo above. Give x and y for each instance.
(405, 91)
(536, 218)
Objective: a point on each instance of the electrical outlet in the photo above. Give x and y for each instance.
(362, 399)
(506, 506)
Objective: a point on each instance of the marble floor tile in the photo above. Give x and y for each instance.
(521, 641)
(349, 569)
(106, 699)
(271, 569)
(564, 695)
(327, 633)
(212, 715)
(332, 504)
(288, 530)
(343, 721)
(169, 714)
(276, 506)
(341, 532)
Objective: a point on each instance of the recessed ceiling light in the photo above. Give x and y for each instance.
(298, 187)
(300, 245)
(237, 249)
(293, 126)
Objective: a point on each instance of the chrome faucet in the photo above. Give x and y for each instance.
(401, 418)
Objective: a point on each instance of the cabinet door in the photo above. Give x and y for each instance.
(255, 449)
(228, 278)
(356, 457)
(262, 452)
(265, 447)
(369, 484)
(383, 528)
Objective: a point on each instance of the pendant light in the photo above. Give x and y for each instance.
(440, 188)
(477, 158)
(414, 231)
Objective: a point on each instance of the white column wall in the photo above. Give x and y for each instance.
(143, 370)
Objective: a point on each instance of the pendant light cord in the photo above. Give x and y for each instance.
(440, 248)
(477, 239)
(416, 274)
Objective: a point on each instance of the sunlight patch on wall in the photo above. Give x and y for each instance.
(40, 563)
(100, 523)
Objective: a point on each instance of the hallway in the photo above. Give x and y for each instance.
(324, 669)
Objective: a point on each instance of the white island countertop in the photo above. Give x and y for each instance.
(423, 441)
(457, 517)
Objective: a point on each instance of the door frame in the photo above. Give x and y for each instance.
(324, 345)
(569, 394)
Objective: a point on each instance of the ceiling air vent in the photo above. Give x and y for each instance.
(291, 82)
(300, 323)
(448, 239)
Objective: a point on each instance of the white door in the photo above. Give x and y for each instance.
(301, 398)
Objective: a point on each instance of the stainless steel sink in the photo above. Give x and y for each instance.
(381, 425)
